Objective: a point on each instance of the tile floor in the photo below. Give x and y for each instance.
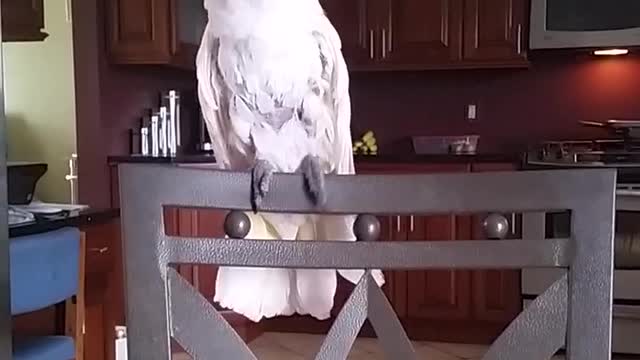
(279, 346)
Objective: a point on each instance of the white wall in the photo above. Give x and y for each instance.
(40, 101)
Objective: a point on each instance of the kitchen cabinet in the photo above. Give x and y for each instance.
(415, 33)
(494, 31)
(23, 20)
(104, 289)
(448, 305)
(438, 305)
(205, 223)
(166, 32)
(356, 21)
(496, 293)
(420, 35)
(467, 305)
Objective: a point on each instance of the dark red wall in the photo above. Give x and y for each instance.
(515, 107)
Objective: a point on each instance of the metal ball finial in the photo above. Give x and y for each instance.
(495, 226)
(366, 228)
(237, 225)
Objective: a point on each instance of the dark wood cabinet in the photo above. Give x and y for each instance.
(164, 32)
(104, 289)
(23, 20)
(205, 223)
(356, 20)
(416, 33)
(496, 293)
(448, 305)
(439, 294)
(376, 34)
(439, 34)
(494, 31)
(471, 306)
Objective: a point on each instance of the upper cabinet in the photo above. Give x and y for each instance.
(155, 31)
(356, 22)
(494, 31)
(23, 20)
(433, 34)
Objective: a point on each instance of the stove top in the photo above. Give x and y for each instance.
(587, 153)
(622, 154)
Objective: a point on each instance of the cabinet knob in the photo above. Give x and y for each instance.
(121, 332)
(99, 250)
(237, 225)
(495, 226)
(366, 228)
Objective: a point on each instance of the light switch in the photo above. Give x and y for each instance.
(472, 112)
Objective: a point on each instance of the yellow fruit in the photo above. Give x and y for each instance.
(359, 144)
(373, 148)
(367, 135)
(370, 142)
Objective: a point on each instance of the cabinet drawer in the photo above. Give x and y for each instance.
(101, 241)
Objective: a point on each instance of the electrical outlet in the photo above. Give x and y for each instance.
(472, 112)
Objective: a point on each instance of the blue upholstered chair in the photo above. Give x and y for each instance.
(45, 269)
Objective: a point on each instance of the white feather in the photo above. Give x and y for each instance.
(261, 63)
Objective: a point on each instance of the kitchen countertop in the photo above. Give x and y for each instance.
(441, 158)
(498, 157)
(54, 222)
(181, 159)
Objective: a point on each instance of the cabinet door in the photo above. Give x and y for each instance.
(191, 21)
(496, 293)
(495, 31)
(439, 294)
(355, 21)
(139, 31)
(420, 34)
(392, 228)
(23, 20)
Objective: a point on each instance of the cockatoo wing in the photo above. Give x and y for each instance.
(337, 98)
(230, 146)
(339, 227)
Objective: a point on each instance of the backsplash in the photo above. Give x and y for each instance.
(515, 107)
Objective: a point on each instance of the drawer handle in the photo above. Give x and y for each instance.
(384, 43)
(371, 44)
(99, 250)
(519, 39)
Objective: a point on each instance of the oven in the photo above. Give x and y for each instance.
(626, 289)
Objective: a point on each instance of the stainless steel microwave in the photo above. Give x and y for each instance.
(558, 24)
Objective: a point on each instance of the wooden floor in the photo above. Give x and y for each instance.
(280, 346)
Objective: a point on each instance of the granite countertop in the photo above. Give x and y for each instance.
(180, 159)
(506, 157)
(494, 157)
(54, 222)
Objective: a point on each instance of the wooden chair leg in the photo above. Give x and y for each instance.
(75, 310)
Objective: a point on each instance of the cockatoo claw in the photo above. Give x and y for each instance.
(261, 182)
(314, 178)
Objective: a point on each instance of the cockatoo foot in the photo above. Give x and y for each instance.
(314, 178)
(261, 182)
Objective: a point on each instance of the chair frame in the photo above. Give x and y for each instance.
(575, 311)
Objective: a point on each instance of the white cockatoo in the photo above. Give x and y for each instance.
(274, 91)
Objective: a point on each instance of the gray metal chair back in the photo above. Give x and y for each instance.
(576, 311)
